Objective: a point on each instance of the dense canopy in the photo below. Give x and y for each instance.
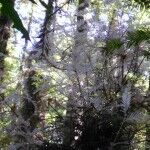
(74, 75)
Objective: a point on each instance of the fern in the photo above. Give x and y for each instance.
(138, 36)
(112, 45)
(143, 3)
(138, 117)
(146, 54)
(126, 99)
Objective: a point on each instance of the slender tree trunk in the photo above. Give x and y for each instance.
(147, 143)
(47, 31)
(5, 24)
(27, 118)
(76, 98)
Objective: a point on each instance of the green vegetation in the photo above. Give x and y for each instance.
(80, 81)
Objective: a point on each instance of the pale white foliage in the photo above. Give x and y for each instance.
(126, 97)
(14, 146)
(109, 1)
(12, 98)
(138, 117)
(84, 76)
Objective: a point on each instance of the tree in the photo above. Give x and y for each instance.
(82, 83)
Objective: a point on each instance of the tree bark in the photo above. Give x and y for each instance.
(76, 99)
(5, 24)
(147, 142)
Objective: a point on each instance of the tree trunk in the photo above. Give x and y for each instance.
(147, 142)
(76, 99)
(4, 36)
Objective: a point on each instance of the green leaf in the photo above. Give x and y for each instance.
(143, 3)
(147, 54)
(32, 1)
(112, 45)
(43, 3)
(9, 11)
(138, 36)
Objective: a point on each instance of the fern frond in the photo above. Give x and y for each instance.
(126, 98)
(112, 45)
(138, 36)
(138, 117)
(143, 3)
